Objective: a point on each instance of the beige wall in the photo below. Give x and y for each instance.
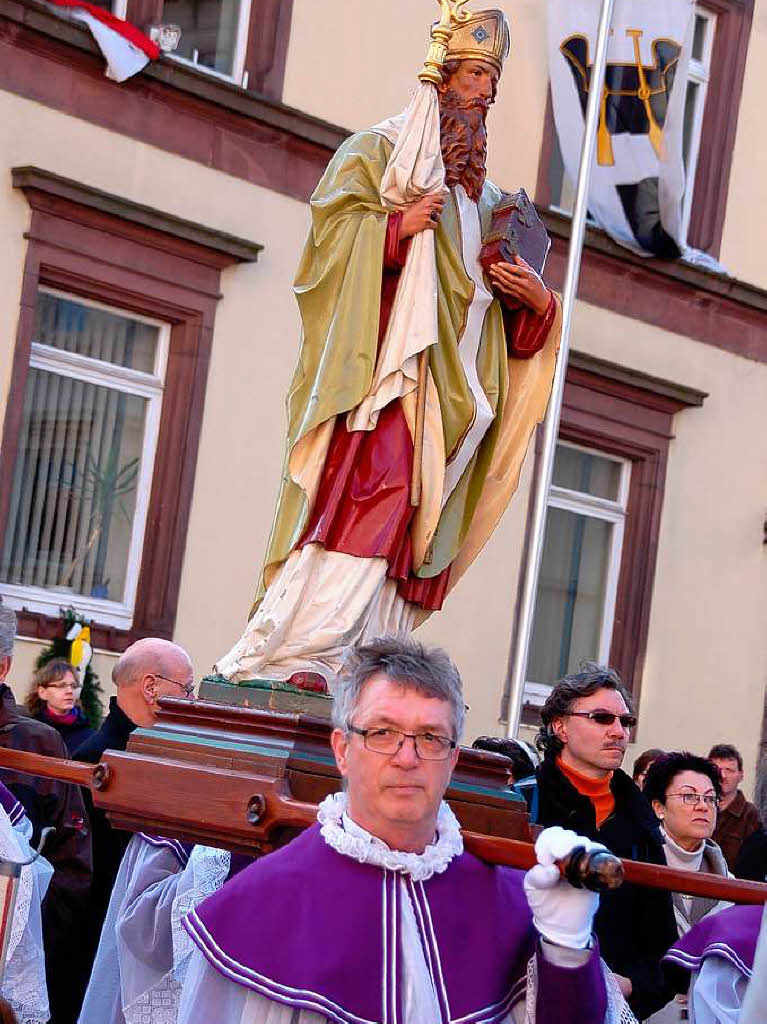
(707, 626)
(744, 227)
(706, 667)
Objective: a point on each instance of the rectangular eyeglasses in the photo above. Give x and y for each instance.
(429, 746)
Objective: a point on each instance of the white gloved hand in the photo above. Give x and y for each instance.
(561, 913)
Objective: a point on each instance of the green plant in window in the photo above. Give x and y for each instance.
(106, 486)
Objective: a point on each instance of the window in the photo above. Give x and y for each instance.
(213, 33)
(84, 460)
(601, 539)
(104, 409)
(695, 101)
(578, 582)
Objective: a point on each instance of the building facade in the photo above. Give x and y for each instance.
(151, 233)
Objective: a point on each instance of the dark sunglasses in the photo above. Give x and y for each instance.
(606, 718)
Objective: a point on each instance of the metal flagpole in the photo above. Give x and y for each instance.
(551, 426)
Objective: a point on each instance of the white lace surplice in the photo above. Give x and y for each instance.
(23, 983)
(143, 951)
(208, 996)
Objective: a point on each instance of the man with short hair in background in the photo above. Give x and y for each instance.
(586, 724)
(149, 669)
(738, 818)
(57, 805)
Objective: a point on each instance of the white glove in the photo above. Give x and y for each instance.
(561, 913)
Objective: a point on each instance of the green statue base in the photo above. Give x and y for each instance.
(266, 695)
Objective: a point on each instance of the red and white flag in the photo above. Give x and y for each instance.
(126, 49)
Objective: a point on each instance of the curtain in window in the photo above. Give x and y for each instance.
(571, 594)
(78, 457)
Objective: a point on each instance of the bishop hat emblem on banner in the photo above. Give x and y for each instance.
(635, 97)
(638, 181)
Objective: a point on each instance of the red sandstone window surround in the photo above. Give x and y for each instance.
(138, 266)
(618, 413)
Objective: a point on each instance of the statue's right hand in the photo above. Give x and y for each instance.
(422, 215)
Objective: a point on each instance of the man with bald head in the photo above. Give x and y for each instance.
(150, 668)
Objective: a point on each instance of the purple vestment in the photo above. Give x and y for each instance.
(730, 934)
(11, 805)
(314, 929)
(181, 850)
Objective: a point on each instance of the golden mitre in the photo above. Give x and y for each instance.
(484, 35)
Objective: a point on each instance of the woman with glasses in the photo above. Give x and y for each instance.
(52, 698)
(684, 791)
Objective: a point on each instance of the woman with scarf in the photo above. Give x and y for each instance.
(52, 699)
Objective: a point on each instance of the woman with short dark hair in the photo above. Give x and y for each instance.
(52, 698)
(684, 791)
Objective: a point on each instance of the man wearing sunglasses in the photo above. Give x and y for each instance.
(376, 913)
(586, 725)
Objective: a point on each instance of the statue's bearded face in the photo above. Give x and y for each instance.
(464, 100)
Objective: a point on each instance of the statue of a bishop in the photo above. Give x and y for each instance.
(419, 381)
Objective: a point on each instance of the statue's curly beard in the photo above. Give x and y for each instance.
(463, 137)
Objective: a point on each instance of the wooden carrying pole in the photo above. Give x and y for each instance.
(243, 810)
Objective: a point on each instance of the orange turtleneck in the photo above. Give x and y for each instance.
(597, 790)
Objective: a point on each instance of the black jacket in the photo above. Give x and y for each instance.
(635, 926)
(113, 735)
(60, 805)
(74, 734)
(108, 843)
(752, 859)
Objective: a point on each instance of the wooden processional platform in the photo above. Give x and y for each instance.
(191, 776)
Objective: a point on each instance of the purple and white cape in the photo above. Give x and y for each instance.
(359, 934)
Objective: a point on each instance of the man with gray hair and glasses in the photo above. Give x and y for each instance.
(49, 804)
(586, 723)
(377, 913)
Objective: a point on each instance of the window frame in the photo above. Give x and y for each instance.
(699, 74)
(613, 512)
(150, 386)
(265, 40)
(627, 415)
(100, 247)
(239, 75)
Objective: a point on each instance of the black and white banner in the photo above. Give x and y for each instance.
(638, 182)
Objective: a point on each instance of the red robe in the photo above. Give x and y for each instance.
(363, 502)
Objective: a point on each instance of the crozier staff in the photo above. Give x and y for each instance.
(376, 913)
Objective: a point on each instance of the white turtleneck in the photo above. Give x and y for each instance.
(678, 857)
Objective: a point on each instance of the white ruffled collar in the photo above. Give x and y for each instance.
(348, 838)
